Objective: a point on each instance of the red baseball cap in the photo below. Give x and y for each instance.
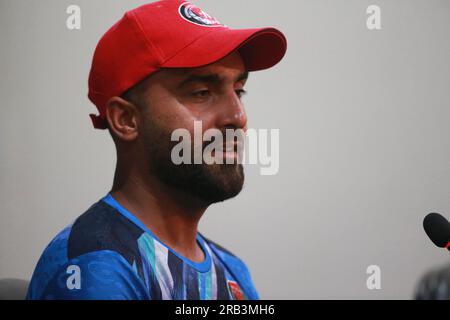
(171, 34)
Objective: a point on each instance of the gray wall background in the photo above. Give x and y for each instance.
(365, 141)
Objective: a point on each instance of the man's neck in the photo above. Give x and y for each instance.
(170, 214)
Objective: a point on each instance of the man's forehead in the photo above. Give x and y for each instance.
(229, 69)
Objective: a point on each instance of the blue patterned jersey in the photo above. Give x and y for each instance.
(107, 253)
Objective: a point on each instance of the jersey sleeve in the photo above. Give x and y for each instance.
(99, 275)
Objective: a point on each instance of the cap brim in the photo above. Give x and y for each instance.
(260, 49)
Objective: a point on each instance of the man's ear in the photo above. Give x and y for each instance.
(122, 117)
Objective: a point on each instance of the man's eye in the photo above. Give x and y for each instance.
(201, 93)
(240, 93)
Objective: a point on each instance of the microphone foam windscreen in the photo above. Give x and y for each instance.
(437, 228)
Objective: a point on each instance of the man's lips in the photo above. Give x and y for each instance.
(228, 150)
(230, 146)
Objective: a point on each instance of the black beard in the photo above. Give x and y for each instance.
(207, 183)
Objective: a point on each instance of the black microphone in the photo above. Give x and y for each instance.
(438, 230)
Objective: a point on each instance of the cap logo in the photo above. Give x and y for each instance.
(197, 16)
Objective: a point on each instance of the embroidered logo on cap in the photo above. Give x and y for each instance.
(197, 16)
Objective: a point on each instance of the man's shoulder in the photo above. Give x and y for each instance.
(100, 234)
(102, 227)
(99, 228)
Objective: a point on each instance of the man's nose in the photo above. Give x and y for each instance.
(232, 112)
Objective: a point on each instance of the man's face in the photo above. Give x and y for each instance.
(176, 98)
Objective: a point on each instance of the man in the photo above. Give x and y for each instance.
(164, 66)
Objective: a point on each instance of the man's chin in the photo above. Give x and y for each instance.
(222, 182)
(207, 183)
